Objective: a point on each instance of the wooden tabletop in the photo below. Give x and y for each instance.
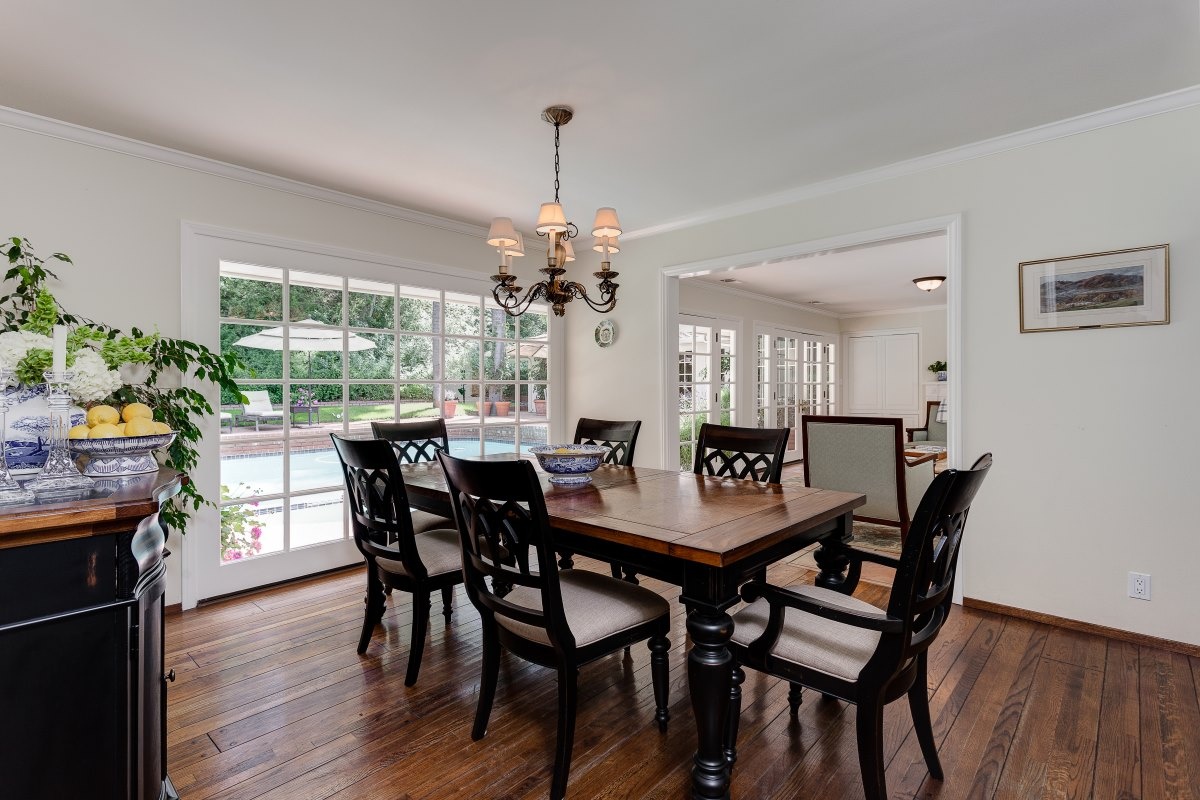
(106, 509)
(713, 521)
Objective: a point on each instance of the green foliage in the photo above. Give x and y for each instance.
(35, 364)
(31, 274)
(938, 366)
(128, 350)
(241, 531)
(44, 315)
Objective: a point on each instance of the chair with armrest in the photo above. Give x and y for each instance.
(846, 648)
(414, 442)
(258, 408)
(866, 455)
(934, 432)
(754, 453)
(397, 558)
(558, 619)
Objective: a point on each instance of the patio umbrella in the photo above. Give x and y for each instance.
(309, 340)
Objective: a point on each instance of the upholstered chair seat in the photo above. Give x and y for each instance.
(438, 550)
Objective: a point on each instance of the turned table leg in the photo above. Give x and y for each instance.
(709, 677)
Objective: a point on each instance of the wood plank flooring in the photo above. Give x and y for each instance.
(273, 702)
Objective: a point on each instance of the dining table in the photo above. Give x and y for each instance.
(707, 535)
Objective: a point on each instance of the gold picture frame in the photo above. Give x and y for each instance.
(1114, 289)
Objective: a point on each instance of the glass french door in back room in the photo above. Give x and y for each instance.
(796, 374)
(707, 386)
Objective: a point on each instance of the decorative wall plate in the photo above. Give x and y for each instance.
(606, 333)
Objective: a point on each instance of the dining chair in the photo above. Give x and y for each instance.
(849, 649)
(866, 455)
(934, 430)
(561, 619)
(414, 442)
(397, 557)
(755, 453)
(620, 437)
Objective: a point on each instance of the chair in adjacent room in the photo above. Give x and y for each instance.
(866, 455)
(258, 408)
(414, 442)
(397, 557)
(558, 619)
(934, 432)
(849, 649)
(754, 453)
(621, 437)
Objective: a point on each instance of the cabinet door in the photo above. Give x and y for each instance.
(864, 391)
(899, 371)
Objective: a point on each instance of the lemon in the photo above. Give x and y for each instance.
(102, 415)
(162, 427)
(139, 426)
(78, 432)
(105, 430)
(121, 427)
(136, 410)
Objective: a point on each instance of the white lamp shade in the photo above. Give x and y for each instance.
(929, 283)
(569, 251)
(606, 223)
(551, 219)
(613, 245)
(502, 234)
(517, 249)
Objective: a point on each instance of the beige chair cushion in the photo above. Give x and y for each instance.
(811, 641)
(439, 551)
(424, 521)
(596, 606)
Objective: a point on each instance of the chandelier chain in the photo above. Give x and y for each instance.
(556, 127)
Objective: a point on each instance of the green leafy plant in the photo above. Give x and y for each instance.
(937, 366)
(30, 302)
(241, 531)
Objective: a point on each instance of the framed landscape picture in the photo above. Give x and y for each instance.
(1097, 290)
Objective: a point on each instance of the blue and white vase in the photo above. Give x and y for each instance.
(27, 437)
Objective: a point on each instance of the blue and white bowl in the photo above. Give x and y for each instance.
(120, 456)
(570, 464)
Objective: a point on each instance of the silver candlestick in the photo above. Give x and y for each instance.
(10, 491)
(60, 477)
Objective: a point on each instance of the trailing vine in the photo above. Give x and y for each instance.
(31, 306)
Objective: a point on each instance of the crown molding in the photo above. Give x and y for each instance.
(1128, 112)
(889, 311)
(766, 298)
(34, 123)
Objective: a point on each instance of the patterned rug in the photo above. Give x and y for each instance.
(880, 538)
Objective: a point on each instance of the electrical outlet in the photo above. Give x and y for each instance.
(1139, 585)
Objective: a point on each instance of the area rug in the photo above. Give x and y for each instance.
(880, 538)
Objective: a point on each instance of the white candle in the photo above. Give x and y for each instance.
(59, 362)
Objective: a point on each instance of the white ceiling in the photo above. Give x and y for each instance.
(853, 280)
(681, 105)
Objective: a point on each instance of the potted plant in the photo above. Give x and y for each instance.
(938, 368)
(539, 406)
(449, 405)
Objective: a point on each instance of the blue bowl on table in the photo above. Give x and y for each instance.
(570, 464)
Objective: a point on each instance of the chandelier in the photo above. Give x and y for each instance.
(552, 223)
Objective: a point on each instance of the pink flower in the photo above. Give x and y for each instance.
(226, 557)
(236, 555)
(257, 546)
(255, 504)
(255, 532)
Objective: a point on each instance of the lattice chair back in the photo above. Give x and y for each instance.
(754, 453)
(505, 535)
(420, 440)
(619, 436)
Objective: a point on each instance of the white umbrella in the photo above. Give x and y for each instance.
(309, 340)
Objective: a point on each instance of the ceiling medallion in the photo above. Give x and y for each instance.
(552, 223)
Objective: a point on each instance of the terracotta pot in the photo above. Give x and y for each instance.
(449, 408)
(502, 408)
(539, 407)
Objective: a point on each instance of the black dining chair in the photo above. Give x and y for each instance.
(414, 442)
(619, 436)
(849, 649)
(559, 619)
(397, 557)
(754, 453)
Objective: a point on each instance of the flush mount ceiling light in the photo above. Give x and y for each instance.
(929, 283)
(552, 223)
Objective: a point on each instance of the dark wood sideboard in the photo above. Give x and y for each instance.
(82, 682)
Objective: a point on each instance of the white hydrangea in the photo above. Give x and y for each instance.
(15, 344)
(93, 380)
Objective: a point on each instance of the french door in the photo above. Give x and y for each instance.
(796, 375)
(707, 385)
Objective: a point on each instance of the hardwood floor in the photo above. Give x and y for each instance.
(272, 701)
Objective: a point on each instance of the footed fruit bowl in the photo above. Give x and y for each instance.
(120, 455)
(570, 464)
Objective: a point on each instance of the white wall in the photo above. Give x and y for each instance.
(1094, 432)
(931, 330)
(698, 298)
(119, 218)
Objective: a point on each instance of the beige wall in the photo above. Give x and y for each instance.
(1094, 432)
(931, 328)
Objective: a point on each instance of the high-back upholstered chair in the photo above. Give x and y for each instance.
(557, 619)
(620, 436)
(846, 648)
(397, 558)
(866, 455)
(934, 432)
(754, 453)
(414, 442)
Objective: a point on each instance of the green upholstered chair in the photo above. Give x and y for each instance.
(866, 455)
(934, 432)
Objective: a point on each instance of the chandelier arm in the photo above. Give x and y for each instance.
(514, 307)
(607, 301)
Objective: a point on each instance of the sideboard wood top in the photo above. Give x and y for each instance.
(113, 507)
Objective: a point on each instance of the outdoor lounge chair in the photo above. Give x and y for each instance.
(259, 408)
